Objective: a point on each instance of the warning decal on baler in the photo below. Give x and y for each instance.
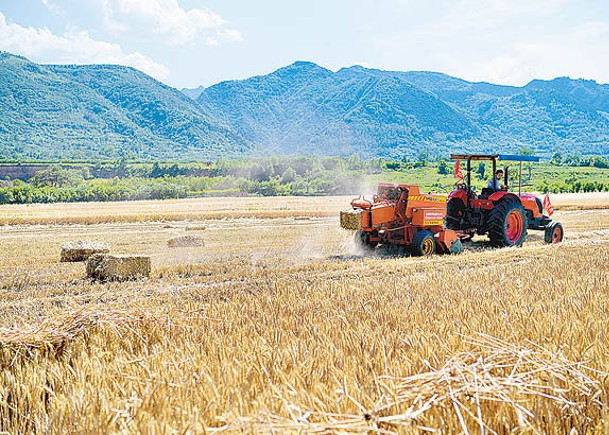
(430, 198)
(428, 217)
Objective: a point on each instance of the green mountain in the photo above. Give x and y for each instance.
(304, 108)
(557, 115)
(100, 111)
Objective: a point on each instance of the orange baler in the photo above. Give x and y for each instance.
(402, 215)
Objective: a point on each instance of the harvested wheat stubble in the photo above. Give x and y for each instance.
(106, 267)
(497, 379)
(82, 250)
(185, 241)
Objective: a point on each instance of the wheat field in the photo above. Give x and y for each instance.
(278, 325)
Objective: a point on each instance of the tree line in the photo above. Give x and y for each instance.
(271, 176)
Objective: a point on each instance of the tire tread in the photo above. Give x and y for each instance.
(496, 222)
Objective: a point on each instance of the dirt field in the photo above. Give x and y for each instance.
(278, 324)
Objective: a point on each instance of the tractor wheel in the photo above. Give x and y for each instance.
(362, 240)
(554, 233)
(455, 210)
(507, 224)
(423, 244)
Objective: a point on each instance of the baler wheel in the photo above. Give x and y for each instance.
(423, 244)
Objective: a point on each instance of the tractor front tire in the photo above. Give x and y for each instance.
(554, 233)
(507, 223)
(423, 244)
(455, 210)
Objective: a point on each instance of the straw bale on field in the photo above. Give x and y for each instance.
(196, 228)
(57, 331)
(82, 250)
(106, 267)
(351, 219)
(185, 241)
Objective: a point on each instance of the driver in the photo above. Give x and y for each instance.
(495, 182)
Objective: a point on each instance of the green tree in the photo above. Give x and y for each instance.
(288, 176)
(481, 170)
(443, 168)
(422, 160)
(556, 158)
(55, 176)
(526, 151)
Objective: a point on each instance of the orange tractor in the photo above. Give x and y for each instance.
(402, 215)
(399, 214)
(503, 215)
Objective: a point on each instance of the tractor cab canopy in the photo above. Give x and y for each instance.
(474, 156)
(494, 157)
(504, 157)
(516, 158)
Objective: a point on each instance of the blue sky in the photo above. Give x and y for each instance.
(187, 43)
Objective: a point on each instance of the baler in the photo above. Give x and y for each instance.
(399, 214)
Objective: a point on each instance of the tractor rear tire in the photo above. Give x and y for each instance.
(423, 244)
(507, 223)
(554, 233)
(455, 210)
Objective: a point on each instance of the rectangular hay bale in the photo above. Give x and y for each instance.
(81, 251)
(106, 267)
(185, 242)
(351, 219)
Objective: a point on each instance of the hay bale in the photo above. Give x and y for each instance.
(82, 250)
(351, 219)
(106, 267)
(196, 228)
(185, 242)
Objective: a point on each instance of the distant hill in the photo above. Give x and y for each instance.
(102, 111)
(193, 93)
(59, 112)
(304, 108)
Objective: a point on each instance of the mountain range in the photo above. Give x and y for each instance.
(101, 111)
(94, 111)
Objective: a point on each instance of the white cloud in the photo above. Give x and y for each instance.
(578, 52)
(169, 18)
(51, 6)
(500, 41)
(230, 35)
(489, 15)
(520, 40)
(74, 46)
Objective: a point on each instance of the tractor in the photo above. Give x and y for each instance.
(502, 215)
(402, 215)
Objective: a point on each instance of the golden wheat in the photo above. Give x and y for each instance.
(276, 325)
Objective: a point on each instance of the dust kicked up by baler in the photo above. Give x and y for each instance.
(402, 215)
